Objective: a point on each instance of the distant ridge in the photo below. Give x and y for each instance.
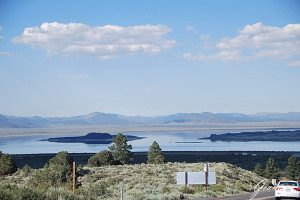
(98, 118)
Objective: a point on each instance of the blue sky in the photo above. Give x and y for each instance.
(62, 58)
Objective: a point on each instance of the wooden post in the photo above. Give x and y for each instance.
(74, 178)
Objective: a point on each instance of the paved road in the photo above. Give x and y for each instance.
(266, 195)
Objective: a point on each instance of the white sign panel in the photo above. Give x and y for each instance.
(212, 178)
(196, 178)
(180, 177)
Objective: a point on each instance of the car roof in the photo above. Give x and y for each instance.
(288, 181)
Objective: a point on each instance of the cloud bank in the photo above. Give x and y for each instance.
(102, 41)
(256, 41)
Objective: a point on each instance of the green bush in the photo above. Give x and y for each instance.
(101, 158)
(57, 172)
(26, 170)
(7, 164)
(187, 190)
(8, 192)
(166, 189)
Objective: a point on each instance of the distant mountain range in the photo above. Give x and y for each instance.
(98, 118)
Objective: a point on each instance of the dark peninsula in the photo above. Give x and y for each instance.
(276, 136)
(90, 138)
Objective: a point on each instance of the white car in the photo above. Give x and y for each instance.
(287, 190)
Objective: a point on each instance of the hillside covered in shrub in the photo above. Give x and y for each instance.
(141, 181)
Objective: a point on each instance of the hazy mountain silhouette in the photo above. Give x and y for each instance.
(98, 118)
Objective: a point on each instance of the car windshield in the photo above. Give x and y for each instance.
(287, 184)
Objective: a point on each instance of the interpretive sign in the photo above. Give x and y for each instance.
(189, 178)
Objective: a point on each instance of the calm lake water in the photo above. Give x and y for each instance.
(166, 139)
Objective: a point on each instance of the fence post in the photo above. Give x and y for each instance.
(121, 190)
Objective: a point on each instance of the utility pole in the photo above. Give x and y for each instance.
(74, 178)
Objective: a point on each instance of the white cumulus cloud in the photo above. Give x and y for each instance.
(103, 41)
(256, 41)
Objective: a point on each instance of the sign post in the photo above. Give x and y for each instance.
(206, 169)
(206, 177)
(186, 179)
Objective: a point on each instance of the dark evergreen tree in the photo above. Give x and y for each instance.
(101, 158)
(271, 170)
(7, 164)
(155, 155)
(258, 170)
(121, 151)
(292, 170)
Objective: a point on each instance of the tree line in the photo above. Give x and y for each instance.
(271, 169)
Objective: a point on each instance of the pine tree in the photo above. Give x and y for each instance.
(155, 155)
(7, 164)
(258, 170)
(292, 169)
(272, 170)
(121, 151)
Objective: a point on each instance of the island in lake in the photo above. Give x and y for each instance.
(91, 138)
(277, 136)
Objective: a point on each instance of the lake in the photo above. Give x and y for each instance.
(168, 140)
